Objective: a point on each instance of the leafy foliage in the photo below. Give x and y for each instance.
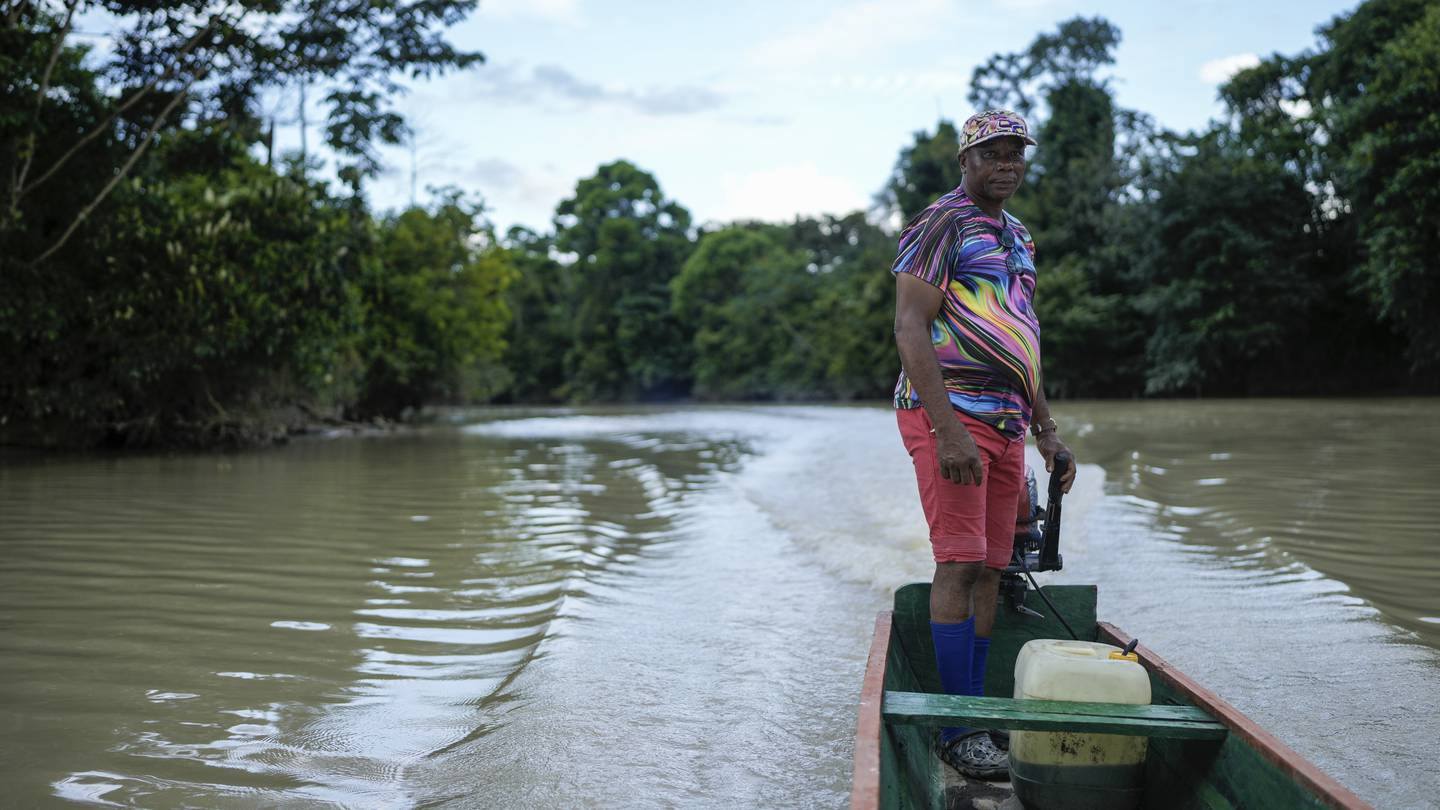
(854, 313)
(746, 295)
(1072, 55)
(628, 242)
(1230, 261)
(160, 284)
(435, 309)
(925, 170)
(1393, 172)
(791, 312)
(1226, 227)
(1351, 123)
(198, 292)
(204, 65)
(539, 331)
(1074, 202)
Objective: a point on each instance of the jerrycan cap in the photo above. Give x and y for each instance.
(1127, 654)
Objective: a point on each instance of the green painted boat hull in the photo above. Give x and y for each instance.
(896, 764)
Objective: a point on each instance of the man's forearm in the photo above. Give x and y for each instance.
(1040, 408)
(1048, 441)
(1040, 411)
(917, 357)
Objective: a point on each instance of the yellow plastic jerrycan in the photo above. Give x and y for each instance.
(1078, 770)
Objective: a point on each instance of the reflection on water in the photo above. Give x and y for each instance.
(316, 619)
(1281, 552)
(1287, 488)
(665, 607)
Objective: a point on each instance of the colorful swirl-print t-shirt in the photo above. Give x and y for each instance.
(986, 335)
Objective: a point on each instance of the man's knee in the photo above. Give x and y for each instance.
(960, 574)
(952, 592)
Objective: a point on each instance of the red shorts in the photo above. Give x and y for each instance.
(968, 523)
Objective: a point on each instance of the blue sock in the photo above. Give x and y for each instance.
(954, 655)
(977, 666)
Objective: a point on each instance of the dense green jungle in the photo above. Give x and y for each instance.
(167, 279)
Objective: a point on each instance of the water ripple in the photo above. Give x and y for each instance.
(358, 605)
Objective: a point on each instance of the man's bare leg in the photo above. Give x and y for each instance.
(952, 591)
(985, 593)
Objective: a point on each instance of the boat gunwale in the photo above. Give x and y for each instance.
(865, 781)
(1267, 745)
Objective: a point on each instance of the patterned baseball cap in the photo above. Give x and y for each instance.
(992, 124)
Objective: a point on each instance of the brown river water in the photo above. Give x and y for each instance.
(668, 607)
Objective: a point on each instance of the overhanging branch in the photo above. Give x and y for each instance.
(104, 126)
(130, 162)
(121, 174)
(18, 179)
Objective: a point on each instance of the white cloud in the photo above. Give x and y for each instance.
(546, 84)
(901, 82)
(512, 191)
(1218, 71)
(1029, 5)
(851, 33)
(561, 11)
(781, 193)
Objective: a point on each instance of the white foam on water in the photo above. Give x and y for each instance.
(843, 487)
(286, 624)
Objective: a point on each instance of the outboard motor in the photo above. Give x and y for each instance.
(1037, 537)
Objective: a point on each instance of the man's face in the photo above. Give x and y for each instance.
(994, 169)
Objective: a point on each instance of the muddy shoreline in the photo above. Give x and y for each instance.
(255, 429)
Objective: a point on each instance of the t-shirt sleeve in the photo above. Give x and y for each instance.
(928, 250)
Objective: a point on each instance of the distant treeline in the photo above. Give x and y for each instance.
(170, 282)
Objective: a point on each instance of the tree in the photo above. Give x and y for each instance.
(1073, 54)
(435, 311)
(852, 314)
(747, 298)
(158, 284)
(1392, 166)
(798, 311)
(205, 64)
(202, 298)
(628, 240)
(1227, 293)
(1074, 202)
(538, 337)
(925, 170)
(1350, 120)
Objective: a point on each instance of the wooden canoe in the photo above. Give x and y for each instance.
(1203, 753)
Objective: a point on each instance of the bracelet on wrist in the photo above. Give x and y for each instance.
(1043, 426)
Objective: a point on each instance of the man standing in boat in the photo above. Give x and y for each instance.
(970, 388)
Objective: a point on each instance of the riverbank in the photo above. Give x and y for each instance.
(241, 429)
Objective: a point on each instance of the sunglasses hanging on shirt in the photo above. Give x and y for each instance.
(1012, 256)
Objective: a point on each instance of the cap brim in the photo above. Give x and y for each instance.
(1029, 141)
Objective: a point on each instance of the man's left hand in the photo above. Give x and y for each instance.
(1050, 446)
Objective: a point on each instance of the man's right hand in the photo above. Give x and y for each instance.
(958, 455)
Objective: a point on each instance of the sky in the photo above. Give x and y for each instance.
(765, 110)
